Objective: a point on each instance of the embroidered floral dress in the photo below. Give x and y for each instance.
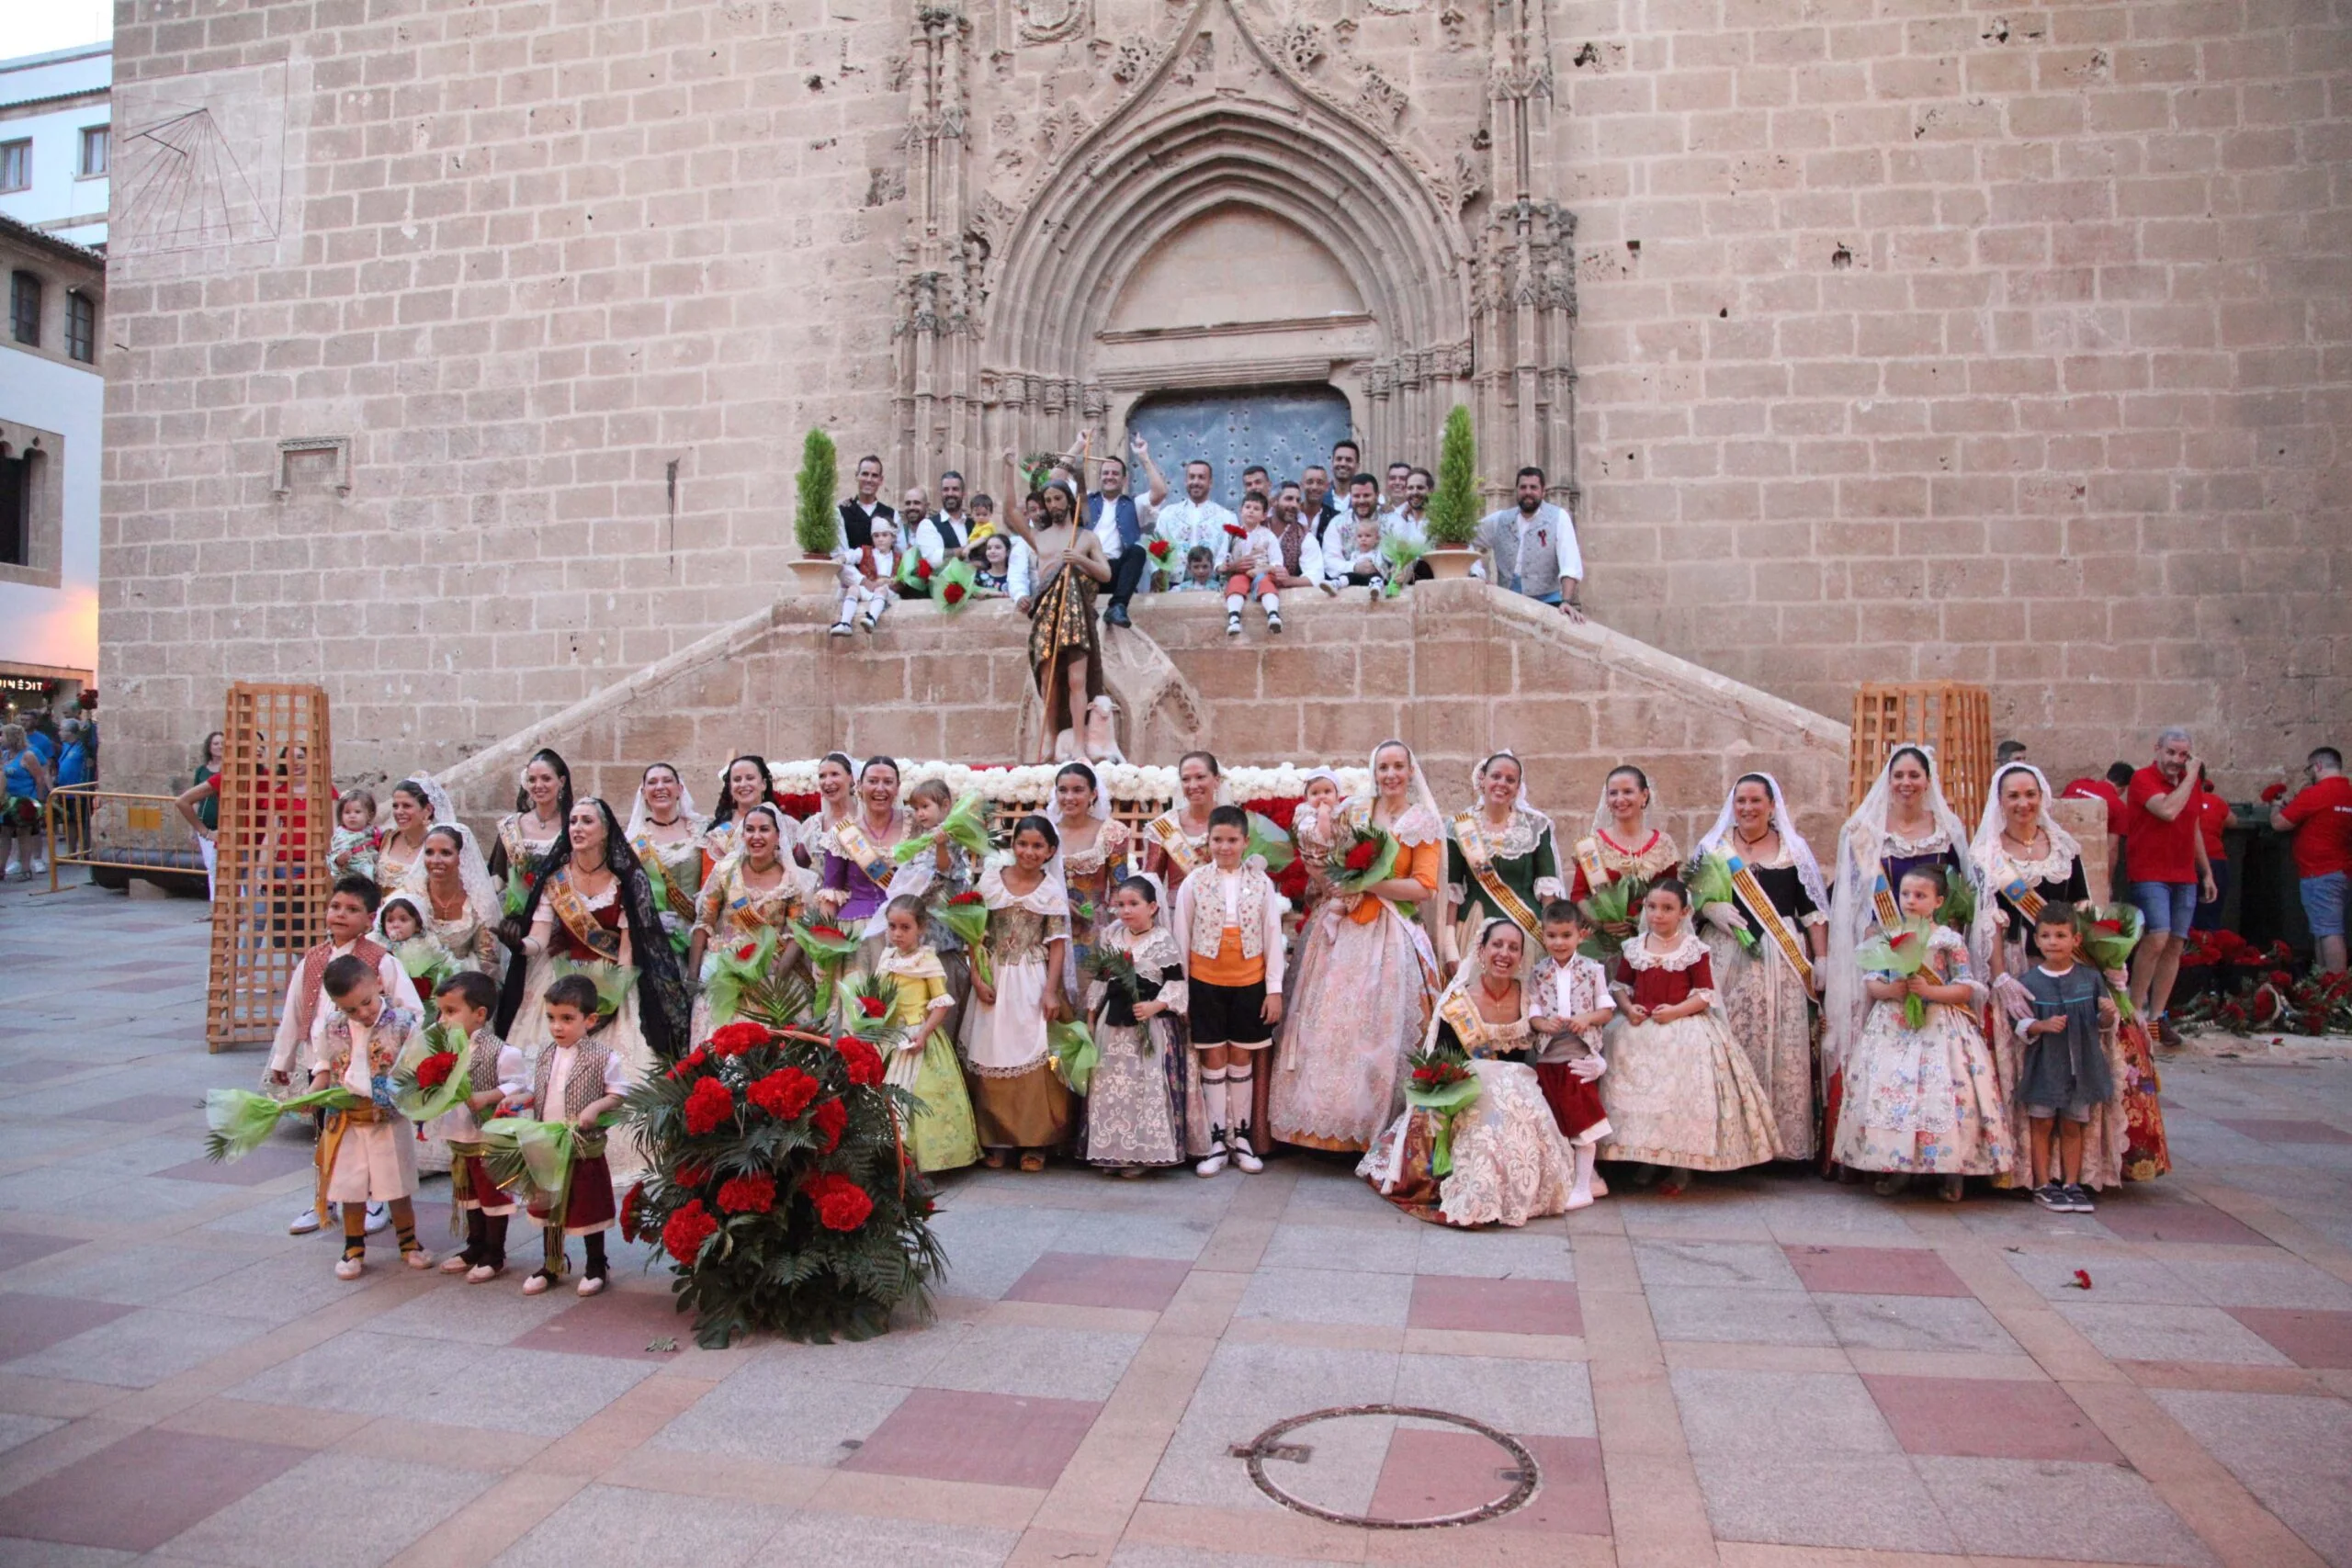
(514, 851)
(940, 1135)
(1088, 875)
(730, 911)
(1509, 1163)
(1656, 857)
(1680, 1093)
(1359, 1002)
(1135, 1105)
(1767, 1005)
(680, 863)
(1927, 1100)
(464, 935)
(1018, 1099)
(392, 861)
(1521, 857)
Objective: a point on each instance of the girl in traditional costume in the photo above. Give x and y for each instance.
(1623, 845)
(836, 803)
(754, 890)
(1065, 660)
(1135, 1106)
(1680, 1093)
(666, 833)
(743, 784)
(1498, 1159)
(1366, 978)
(352, 851)
(1500, 859)
(417, 805)
(934, 876)
(1924, 1099)
(2026, 862)
(1903, 822)
(529, 835)
(1315, 830)
(1767, 944)
(594, 910)
(1094, 853)
(452, 885)
(1022, 1104)
(940, 1134)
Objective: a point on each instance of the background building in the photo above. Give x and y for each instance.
(467, 357)
(57, 141)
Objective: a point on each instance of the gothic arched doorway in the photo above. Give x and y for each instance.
(1284, 428)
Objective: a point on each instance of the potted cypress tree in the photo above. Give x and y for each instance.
(816, 520)
(1454, 505)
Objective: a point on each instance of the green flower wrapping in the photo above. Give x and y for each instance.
(733, 969)
(240, 1120)
(1075, 1055)
(613, 981)
(1401, 554)
(2110, 933)
(420, 1101)
(1612, 902)
(1902, 953)
(1709, 882)
(967, 826)
(830, 949)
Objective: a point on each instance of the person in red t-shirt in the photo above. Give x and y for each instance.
(2321, 818)
(2213, 816)
(2167, 869)
(2110, 790)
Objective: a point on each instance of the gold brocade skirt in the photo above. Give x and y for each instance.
(1062, 629)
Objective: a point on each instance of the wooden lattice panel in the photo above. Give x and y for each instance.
(277, 820)
(1954, 718)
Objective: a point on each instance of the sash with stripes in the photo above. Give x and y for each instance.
(1596, 875)
(1168, 835)
(1481, 859)
(857, 849)
(1753, 899)
(2017, 890)
(581, 920)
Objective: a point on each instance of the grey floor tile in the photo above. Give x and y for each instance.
(1715, 1265)
(1734, 1315)
(380, 1506)
(2288, 1283)
(1386, 1250)
(1056, 1363)
(493, 1314)
(141, 1275)
(1246, 1389)
(902, 1359)
(294, 1283)
(1914, 1322)
(2293, 1453)
(16, 1429)
(16, 1552)
(768, 1410)
(1324, 1295)
(2113, 1280)
(1846, 1500)
(850, 1541)
(2126, 1332)
(1186, 1557)
(1744, 1413)
(138, 1350)
(1532, 1398)
(1542, 1251)
(1134, 1236)
(2102, 1513)
(610, 1527)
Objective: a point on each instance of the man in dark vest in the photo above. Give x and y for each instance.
(1120, 521)
(859, 512)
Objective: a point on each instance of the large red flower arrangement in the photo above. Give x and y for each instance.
(759, 1117)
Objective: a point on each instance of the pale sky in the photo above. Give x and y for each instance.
(37, 27)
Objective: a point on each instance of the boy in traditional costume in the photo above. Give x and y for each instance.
(367, 1151)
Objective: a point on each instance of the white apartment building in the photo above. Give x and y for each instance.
(57, 141)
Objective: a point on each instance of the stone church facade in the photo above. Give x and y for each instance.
(1869, 339)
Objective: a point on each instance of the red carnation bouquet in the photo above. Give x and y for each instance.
(871, 1008)
(830, 949)
(429, 1079)
(1902, 953)
(1236, 530)
(1364, 856)
(733, 969)
(2110, 933)
(1440, 1082)
(1162, 555)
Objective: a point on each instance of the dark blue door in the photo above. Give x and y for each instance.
(1285, 428)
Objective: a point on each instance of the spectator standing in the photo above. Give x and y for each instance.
(1255, 480)
(1197, 521)
(943, 536)
(2212, 820)
(859, 512)
(2167, 869)
(1532, 546)
(2319, 815)
(206, 815)
(1410, 518)
(1119, 521)
(1346, 459)
(2109, 791)
(1393, 496)
(1317, 499)
(27, 781)
(75, 765)
(2008, 752)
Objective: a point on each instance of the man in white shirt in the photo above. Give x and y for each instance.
(1299, 563)
(1346, 459)
(1339, 554)
(941, 537)
(1197, 520)
(1120, 521)
(1318, 502)
(859, 512)
(1534, 547)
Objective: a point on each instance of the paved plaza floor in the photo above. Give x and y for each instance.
(1768, 1370)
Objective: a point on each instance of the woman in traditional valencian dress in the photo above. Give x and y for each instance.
(1366, 979)
(755, 889)
(1680, 1094)
(1623, 845)
(1176, 842)
(414, 809)
(1903, 822)
(1023, 1106)
(2027, 860)
(1768, 946)
(1063, 657)
(743, 784)
(855, 854)
(452, 887)
(666, 833)
(594, 907)
(1500, 859)
(1094, 848)
(1510, 1164)
(836, 803)
(529, 835)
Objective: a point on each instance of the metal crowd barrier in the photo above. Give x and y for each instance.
(112, 830)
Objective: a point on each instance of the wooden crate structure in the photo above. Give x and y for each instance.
(277, 821)
(1954, 718)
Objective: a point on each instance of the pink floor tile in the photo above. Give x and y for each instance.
(2308, 1338)
(2281, 1130)
(1988, 1418)
(1875, 1271)
(24, 1246)
(142, 1491)
(29, 1322)
(2174, 1219)
(1001, 1440)
(1095, 1280)
(265, 1163)
(1429, 1472)
(1496, 1306)
(136, 1108)
(618, 1322)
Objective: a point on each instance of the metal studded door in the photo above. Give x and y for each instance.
(1284, 428)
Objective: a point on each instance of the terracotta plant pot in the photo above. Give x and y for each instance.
(1451, 565)
(816, 576)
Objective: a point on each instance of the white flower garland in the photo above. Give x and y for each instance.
(1128, 783)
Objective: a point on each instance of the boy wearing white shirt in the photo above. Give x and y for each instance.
(366, 1152)
(1251, 567)
(494, 1070)
(302, 1022)
(580, 1079)
(1229, 921)
(1568, 1004)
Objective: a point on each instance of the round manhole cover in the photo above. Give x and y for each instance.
(1391, 1467)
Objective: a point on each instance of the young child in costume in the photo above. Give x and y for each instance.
(302, 1021)
(1927, 1099)
(1229, 921)
(866, 579)
(1135, 1118)
(352, 852)
(496, 1071)
(401, 926)
(2066, 1078)
(940, 1134)
(1315, 831)
(1200, 573)
(1680, 1093)
(1256, 552)
(1366, 567)
(366, 1152)
(580, 1079)
(1568, 1004)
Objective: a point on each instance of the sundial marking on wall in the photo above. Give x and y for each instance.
(185, 184)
